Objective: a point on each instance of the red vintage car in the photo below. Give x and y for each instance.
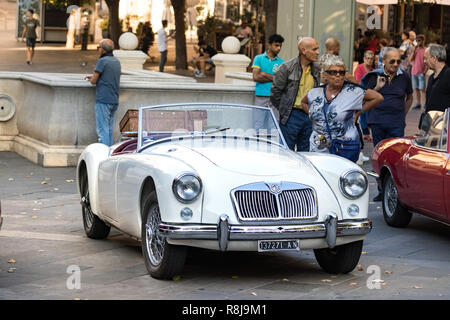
(414, 172)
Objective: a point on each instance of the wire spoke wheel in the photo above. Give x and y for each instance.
(154, 242)
(390, 198)
(87, 211)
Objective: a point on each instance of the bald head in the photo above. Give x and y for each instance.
(332, 46)
(309, 48)
(107, 45)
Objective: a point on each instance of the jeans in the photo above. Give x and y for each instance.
(163, 60)
(104, 119)
(262, 118)
(297, 130)
(363, 121)
(383, 131)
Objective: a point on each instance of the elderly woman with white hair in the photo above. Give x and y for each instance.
(334, 109)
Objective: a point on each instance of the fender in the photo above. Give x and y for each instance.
(92, 156)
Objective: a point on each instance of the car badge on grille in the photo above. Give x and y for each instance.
(275, 188)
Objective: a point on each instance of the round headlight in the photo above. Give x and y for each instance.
(187, 187)
(353, 184)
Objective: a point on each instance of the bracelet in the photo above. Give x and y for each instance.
(362, 111)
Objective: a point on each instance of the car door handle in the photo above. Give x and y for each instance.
(448, 173)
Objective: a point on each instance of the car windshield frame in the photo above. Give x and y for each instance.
(444, 134)
(193, 134)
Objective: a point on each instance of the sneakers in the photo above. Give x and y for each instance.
(196, 72)
(362, 158)
(200, 75)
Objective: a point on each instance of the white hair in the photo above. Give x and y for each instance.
(330, 60)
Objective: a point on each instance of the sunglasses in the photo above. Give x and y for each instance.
(394, 61)
(336, 72)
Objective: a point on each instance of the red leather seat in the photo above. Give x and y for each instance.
(128, 146)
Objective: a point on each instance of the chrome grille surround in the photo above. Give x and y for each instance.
(275, 201)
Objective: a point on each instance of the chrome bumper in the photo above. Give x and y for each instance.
(224, 232)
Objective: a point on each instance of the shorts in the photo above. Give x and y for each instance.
(31, 42)
(418, 81)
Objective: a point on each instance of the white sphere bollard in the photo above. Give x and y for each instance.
(128, 41)
(231, 45)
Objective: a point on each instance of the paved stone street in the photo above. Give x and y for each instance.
(43, 234)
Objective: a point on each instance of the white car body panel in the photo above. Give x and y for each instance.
(115, 195)
(223, 164)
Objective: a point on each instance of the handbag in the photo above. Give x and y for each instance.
(348, 149)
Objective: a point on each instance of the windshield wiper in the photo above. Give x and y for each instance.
(215, 130)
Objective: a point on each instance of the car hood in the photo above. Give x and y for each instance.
(240, 156)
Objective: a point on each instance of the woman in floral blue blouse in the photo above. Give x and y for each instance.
(342, 102)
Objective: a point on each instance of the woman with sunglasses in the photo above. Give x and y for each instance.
(342, 102)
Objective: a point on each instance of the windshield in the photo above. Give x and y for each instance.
(160, 122)
(434, 131)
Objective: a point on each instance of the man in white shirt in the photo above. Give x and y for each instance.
(162, 45)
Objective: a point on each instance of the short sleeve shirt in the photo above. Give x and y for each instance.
(418, 64)
(305, 85)
(392, 110)
(31, 25)
(108, 83)
(264, 64)
(340, 114)
(408, 48)
(438, 91)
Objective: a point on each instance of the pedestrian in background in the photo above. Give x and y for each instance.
(264, 67)
(29, 31)
(418, 71)
(360, 72)
(335, 107)
(291, 83)
(383, 44)
(438, 89)
(162, 45)
(147, 37)
(387, 120)
(204, 53)
(333, 47)
(106, 77)
(406, 50)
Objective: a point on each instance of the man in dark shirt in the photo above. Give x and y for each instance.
(387, 120)
(204, 54)
(107, 79)
(29, 31)
(438, 89)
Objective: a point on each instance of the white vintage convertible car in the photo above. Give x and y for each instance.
(220, 177)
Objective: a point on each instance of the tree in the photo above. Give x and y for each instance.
(114, 24)
(271, 10)
(179, 8)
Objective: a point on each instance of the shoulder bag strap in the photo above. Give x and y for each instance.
(324, 110)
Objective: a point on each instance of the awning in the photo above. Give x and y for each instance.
(380, 2)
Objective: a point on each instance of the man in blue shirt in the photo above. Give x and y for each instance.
(107, 79)
(264, 67)
(387, 120)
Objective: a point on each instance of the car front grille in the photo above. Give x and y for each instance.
(289, 201)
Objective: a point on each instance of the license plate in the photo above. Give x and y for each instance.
(278, 245)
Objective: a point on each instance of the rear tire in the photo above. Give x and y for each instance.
(394, 213)
(340, 259)
(93, 226)
(162, 260)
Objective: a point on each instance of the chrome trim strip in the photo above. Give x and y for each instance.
(262, 232)
(373, 174)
